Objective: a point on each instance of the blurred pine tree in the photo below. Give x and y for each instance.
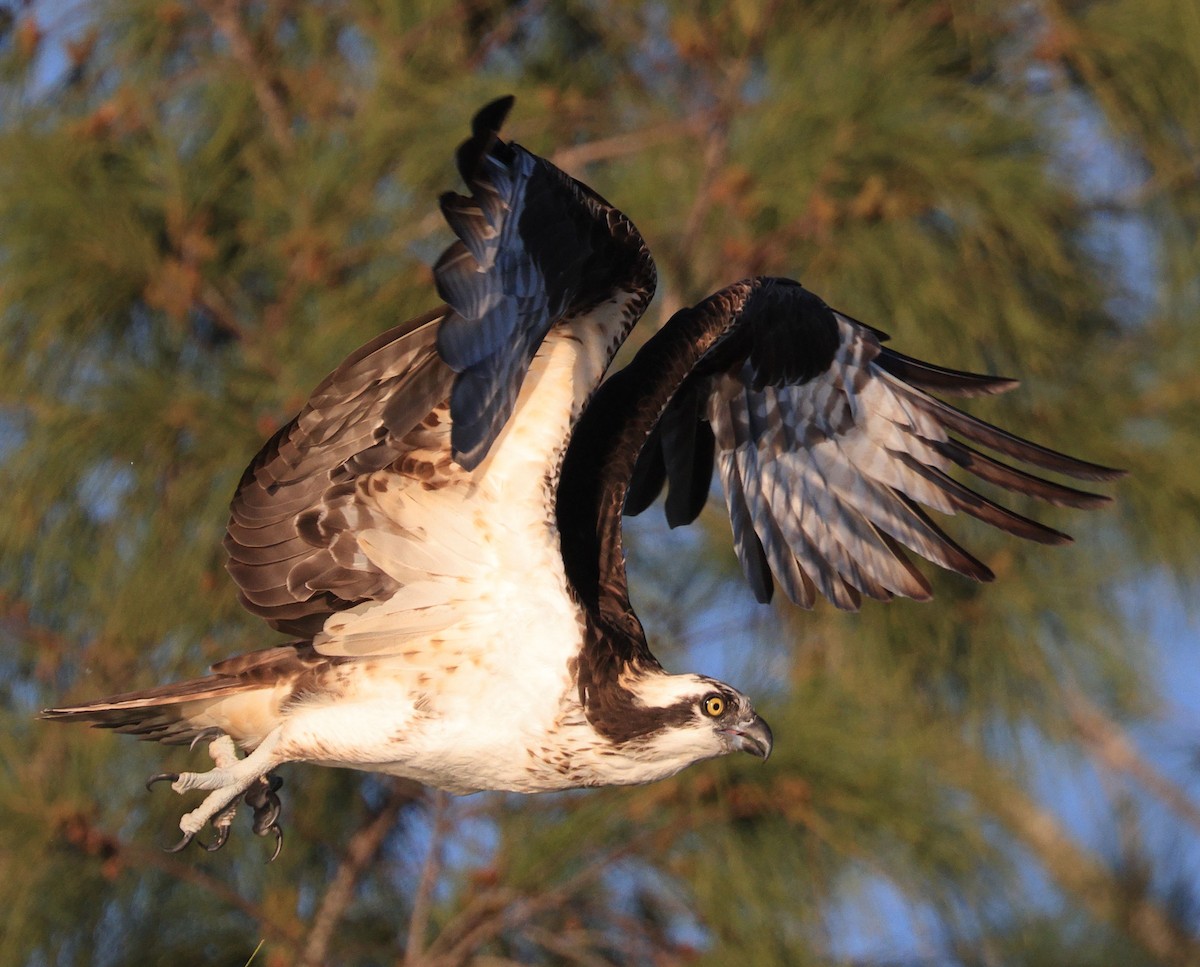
(205, 205)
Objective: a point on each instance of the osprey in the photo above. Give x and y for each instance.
(439, 527)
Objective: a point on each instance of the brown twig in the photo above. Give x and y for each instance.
(418, 923)
(360, 851)
(502, 909)
(1114, 747)
(571, 947)
(213, 301)
(135, 856)
(572, 159)
(480, 909)
(267, 90)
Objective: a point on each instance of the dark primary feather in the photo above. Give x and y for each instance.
(534, 247)
(829, 448)
(937, 379)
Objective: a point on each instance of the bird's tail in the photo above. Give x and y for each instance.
(242, 697)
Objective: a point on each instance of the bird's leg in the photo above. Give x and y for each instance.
(229, 781)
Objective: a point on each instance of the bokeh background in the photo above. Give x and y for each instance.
(205, 205)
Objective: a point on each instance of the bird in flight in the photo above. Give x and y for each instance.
(439, 528)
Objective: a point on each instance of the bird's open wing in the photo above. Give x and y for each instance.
(828, 445)
(534, 246)
(535, 249)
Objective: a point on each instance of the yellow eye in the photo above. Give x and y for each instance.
(714, 705)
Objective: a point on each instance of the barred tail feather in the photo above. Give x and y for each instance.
(165, 714)
(182, 712)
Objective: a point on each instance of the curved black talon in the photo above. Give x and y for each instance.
(262, 798)
(163, 777)
(222, 823)
(187, 838)
(266, 814)
(205, 736)
(221, 840)
(265, 803)
(273, 828)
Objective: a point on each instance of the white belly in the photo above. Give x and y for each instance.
(457, 675)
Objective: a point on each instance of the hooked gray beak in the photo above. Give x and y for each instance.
(753, 736)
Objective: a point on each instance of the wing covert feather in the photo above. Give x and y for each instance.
(294, 520)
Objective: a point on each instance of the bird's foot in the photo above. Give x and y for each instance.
(231, 781)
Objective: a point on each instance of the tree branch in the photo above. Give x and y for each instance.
(418, 923)
(502, 909)
(575, 157)
(267, 90)
(479, 910)
(360, 851)
(1075, 870)
(1114, 747)
(572, 947)
(136, 856)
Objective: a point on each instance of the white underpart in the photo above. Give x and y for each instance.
(462, 680)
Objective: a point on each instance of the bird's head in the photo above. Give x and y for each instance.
(700, 718)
